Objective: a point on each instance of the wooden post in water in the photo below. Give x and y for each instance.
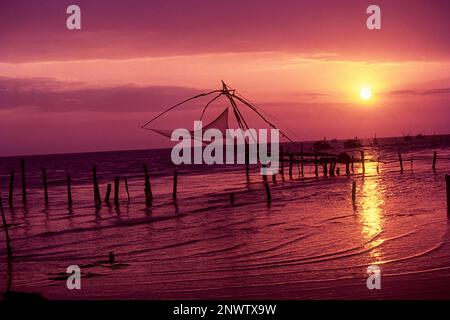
(232, 198)
(354, 192)
(325, 168)
(447, 184)
(330, 169)
(247, 161)
(116, 191)
(108, 193)
(290, 167)
(302, 160)
(363, 162)
(378, 165)
(44, 181)
(147, 187)
(332, 164)
(97, 198)
(281, 163)
(353, 162)
(175, 182)
(316, 164)
(24, 181)
(5, 229)
(264, 171)
(400, 161)
(126, 188)
(274, 177)
(69, 191)
(268, 195)
(347, 167)
(434, 160)
(11, 189)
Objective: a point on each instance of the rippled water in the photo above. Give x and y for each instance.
(310, 243)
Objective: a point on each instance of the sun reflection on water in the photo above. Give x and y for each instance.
(369, 207)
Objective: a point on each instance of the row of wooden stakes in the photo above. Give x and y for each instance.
(97, 195)
(329, 163)
(292, 158)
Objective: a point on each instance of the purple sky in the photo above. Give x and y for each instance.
(303, 61)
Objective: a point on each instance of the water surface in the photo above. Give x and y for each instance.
(310, 243)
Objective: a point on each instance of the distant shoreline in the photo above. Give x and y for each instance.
(166, 148)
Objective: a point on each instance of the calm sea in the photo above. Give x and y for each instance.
(310, 243)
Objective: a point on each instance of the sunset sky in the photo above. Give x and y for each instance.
(303, 61)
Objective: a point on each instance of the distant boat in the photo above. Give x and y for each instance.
(420, 136)
(334, 140)
(322, 145)
(353, 143)
(407, 138)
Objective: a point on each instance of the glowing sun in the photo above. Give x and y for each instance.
(365, 93)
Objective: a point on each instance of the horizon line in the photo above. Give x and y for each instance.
(163, 148)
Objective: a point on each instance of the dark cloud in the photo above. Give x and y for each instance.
(436, 91)
(401, 92)
(427, 92)
(55, 96)
(34, 84)
(313, 94)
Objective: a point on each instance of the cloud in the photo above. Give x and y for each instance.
(436, 91)
(36, 31)
(322, 56)
(426, 92)
(310, 95)
(35, 84)
(401, 92)
(51, 95)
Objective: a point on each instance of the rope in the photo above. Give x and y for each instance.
(179, 104)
